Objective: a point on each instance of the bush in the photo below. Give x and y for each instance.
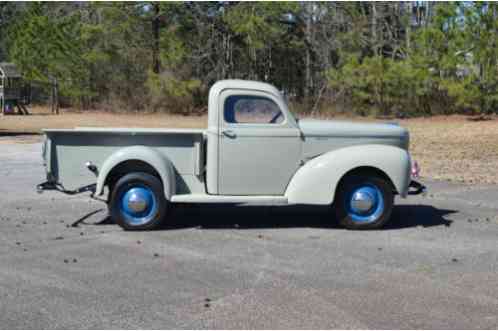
(171, 94)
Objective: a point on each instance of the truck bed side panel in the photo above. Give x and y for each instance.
(71, 149)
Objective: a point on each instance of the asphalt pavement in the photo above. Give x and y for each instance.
(63, 266)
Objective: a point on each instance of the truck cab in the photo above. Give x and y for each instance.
(253, 150)
(256, 141)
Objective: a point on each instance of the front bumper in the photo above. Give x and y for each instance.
(415, 188)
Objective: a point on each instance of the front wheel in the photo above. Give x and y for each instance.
(137, 202)
(364, 202)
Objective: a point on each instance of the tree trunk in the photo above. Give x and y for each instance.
(155, 32)
(55, 97)
(408, 31)
(373, 27)
(307, 78)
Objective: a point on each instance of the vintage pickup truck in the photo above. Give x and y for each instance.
(253, 151)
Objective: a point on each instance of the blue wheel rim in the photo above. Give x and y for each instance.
(373, 204)
(138, 205)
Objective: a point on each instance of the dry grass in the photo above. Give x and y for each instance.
(41, 118)
(455, 148)
(446, 147)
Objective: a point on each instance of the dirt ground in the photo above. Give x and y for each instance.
(454, 148)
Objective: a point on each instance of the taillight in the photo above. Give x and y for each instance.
(415, 170)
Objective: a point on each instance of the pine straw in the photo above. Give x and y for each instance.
(451, 148)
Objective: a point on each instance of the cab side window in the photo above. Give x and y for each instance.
(252, 109)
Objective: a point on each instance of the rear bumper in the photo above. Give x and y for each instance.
(416, 188)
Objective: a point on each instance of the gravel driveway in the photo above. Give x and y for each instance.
(435, 266)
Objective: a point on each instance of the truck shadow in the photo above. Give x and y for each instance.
(254, 217)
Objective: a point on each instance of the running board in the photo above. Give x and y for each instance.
(206, 198)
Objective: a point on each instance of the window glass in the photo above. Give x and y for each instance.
(252, 109)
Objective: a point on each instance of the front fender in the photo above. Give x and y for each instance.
(316, 181)
(160, 163)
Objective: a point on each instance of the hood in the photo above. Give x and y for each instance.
(324, 136)
(344, 129)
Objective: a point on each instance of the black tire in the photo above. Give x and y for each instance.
(379, 216)
(143, 181)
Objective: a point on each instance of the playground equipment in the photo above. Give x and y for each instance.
(13, 92)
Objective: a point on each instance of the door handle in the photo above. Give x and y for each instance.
(229, 133)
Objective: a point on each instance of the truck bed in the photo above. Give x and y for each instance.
(66, 152)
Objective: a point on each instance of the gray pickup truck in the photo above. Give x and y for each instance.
(253, 151)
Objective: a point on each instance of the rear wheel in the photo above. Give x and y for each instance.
(137, 202)
(364, 202)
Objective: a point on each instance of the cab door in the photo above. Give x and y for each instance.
(259, 144)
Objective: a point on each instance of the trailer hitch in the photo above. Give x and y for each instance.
(51, 186)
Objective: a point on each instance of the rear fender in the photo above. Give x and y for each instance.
(160, 163)
(316, 181)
